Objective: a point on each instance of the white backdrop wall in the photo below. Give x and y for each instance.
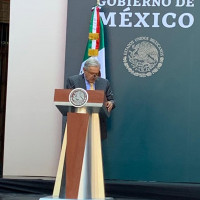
(36, 68)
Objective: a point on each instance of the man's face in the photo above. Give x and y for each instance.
(92, 73)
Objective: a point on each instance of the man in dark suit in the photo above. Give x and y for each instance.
(90, 80)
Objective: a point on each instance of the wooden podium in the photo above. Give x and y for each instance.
(81, 149)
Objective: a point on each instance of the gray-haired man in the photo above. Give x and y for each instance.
(90, 80)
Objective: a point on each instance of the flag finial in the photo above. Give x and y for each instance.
(98, 2)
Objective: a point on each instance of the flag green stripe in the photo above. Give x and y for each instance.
(86, 52)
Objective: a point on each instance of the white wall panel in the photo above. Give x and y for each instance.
(36, 68)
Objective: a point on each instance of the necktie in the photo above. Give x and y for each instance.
(91, 86)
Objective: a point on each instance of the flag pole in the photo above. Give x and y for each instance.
(98, 1)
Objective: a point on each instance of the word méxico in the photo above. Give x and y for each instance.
(154, 20)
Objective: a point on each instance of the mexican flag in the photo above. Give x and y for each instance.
(95, 45)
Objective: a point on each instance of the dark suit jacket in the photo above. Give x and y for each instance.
(78, 81)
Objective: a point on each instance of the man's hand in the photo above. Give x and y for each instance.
(109, 105)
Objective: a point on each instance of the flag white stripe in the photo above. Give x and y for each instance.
(101, 59)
